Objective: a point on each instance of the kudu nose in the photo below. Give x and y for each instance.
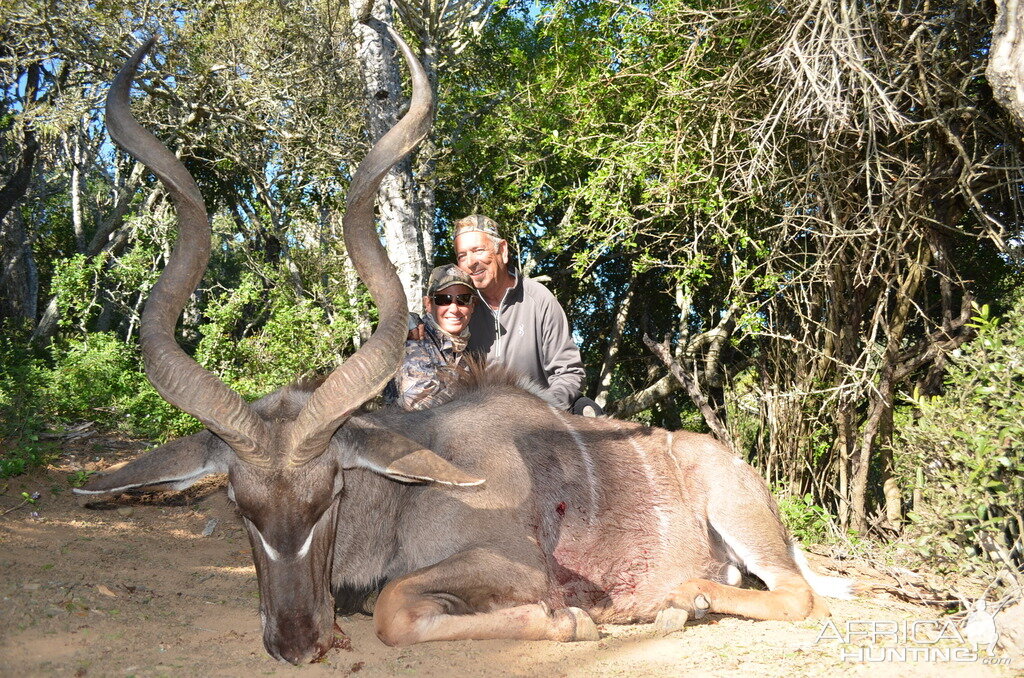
(295, 653)
(295, 639)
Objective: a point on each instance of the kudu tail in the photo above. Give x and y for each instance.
(823, 585)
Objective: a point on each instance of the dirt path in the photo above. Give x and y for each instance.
(138, 589)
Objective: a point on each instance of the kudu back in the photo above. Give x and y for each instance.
(493, 515)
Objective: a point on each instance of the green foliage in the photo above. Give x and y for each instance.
(74, 283)
(808, 522)
(79, 478)
(24, 454)
(261, 335)
(966, 450)
(99, 378)
(88, 371)
(22, 376)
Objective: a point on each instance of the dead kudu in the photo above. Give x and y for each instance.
(580, 521)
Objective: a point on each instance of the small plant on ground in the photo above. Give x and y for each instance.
(807, 522)
(79, 478)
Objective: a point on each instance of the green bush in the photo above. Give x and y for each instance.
(99, 378)
(966, 450)
(808, 522)
(88, 373)
(293, 336)
(257, 337)
(22, 377)
(74, 282)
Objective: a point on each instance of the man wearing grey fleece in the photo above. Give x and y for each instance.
(520, 324)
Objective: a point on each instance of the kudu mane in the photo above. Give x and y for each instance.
(476, 375)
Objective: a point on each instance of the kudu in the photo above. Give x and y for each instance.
(580, 521)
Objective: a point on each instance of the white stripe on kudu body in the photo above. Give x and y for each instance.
(655, 494)
(588, 463)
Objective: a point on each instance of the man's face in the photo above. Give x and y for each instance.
(451, 307)
(484, 262)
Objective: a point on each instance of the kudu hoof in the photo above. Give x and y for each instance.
(579, 623)
(700, 606)
(691, 597)
(671, 619)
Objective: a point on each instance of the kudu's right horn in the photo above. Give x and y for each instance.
(364, 374)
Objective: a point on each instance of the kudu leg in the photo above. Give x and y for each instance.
(746, 531)
(791, 599)
(765, 554)
(473, 595)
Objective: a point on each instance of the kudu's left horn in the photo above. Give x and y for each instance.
(187, 385)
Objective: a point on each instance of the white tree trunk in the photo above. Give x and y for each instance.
(1005, 70)
(77, 159)
(400, 214)
(611, 354)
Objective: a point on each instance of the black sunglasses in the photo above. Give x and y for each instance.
(447, 299)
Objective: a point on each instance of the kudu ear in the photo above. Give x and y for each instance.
(399, 458)
(173, 466)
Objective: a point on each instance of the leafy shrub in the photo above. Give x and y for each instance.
(21, 380)
(99, 377)
(293, 336)
(22, 376)
(74, 282)
(808, 522)
(89, 372)
(25, 453)
(257, 337)
(147, 414)
(966, 447)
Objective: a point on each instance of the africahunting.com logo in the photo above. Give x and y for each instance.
(972, 640)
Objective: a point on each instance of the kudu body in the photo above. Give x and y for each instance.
(580, 521)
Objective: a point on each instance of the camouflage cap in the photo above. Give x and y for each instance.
(475, 222)
(445, 276)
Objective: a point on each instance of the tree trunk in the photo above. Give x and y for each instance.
(397, 197)
(844, 447)
(17, 186)
(74, 150)
(881, 399)
(17, 266)
(692, 388)
(635, 403)
(19, 279)
(1005, 70)
(611, 353)
(425, 163)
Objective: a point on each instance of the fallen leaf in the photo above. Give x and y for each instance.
(105, 591)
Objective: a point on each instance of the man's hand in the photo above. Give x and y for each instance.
(415, 328)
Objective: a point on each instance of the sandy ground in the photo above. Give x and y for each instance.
(137, 589)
